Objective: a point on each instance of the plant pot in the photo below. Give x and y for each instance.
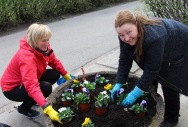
(65, 122)
(66, 103)
(84, 107)
(77, 89)
(100, 110)
(141, 115)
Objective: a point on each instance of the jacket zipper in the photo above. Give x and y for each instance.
(20, 86)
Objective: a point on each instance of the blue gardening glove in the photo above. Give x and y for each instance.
(62, 79)
(115, 89)
(132, 96)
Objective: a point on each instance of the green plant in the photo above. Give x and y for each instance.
(121, 98)
(67, 95)
(87, 123)
(145, 96)
(89, 85)
(65, 114)
(82, 98)
(138, 108)
(102, 99)
(100, 79)
(126, 85)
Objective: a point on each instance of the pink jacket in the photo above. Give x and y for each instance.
(26, 67)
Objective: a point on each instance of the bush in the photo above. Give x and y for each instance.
(75, 6)
(173, 9)
(16, 12)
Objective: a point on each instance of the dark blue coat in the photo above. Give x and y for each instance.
(165, 57)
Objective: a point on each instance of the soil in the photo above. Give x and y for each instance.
(115, 116)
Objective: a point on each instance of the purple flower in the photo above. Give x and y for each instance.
(120, 92)
(143, 104)
(97, 76)
(85, 90)
(71, 90)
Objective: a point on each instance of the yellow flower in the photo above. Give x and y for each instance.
(108, 86)
(86, 121)
(75, 81)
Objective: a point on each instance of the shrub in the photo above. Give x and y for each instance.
(16, 12)
(173, 9)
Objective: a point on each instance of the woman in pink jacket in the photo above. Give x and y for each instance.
(26, 78)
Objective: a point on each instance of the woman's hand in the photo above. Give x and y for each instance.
(115, 89)
(52, 114)
(132, 96)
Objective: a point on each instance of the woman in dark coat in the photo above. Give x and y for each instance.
(160, 48)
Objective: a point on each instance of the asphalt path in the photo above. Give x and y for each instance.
(76, 40)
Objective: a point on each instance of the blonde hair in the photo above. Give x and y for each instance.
(37, 32)
(127, 16)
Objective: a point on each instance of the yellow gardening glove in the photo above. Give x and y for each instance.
(52, 114)
(67, 76)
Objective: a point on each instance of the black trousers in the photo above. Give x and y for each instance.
(172, 103)
(19, 94)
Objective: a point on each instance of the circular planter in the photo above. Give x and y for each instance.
(156, 120)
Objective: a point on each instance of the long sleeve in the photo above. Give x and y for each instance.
(125, 64)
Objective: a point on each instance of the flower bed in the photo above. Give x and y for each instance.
(115, 114)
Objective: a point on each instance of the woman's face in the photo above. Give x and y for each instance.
(128, 33)
(43, 44)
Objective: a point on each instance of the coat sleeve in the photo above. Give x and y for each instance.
(56, 64)
(125, 64)
(153, 58)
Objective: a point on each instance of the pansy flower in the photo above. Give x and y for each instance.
(119, 92)
(108, 86)
(143, 104)
(62, 109)
(85, 90)
(75, 81)
(104, 92)
(86, 121)
(86, 82)
(97, 76)
(71, 90)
